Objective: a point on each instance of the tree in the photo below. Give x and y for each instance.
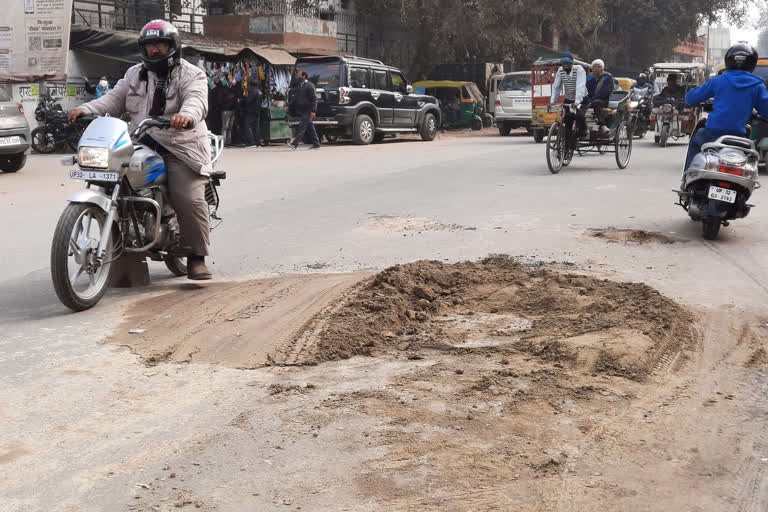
(631, 32)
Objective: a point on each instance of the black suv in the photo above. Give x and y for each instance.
(365, 100)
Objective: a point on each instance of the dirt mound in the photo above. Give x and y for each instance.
(499, 305)
(632, 235)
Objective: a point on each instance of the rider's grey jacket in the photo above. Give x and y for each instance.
(187, 94)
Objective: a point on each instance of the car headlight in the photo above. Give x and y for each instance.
(93, 157)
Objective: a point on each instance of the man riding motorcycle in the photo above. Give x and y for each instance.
(642, 87)
(736, 93)
(571, 82)
(165, 85)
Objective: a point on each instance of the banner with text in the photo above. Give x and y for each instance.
(34, 40)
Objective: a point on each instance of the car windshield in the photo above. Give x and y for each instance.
(322, 74)
(4, 95)
(515, 83)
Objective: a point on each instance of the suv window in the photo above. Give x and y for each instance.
(515, 83)
(358, 77)
(380, 80)
(398, 81)
(322, 74)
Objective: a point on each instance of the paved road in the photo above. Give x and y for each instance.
(348, 208)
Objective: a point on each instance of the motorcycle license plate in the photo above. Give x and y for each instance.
(10, 141)
(722, 194)
(93, 175)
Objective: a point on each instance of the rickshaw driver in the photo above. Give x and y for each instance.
(599, 89)
(572, 82)
(673, 88)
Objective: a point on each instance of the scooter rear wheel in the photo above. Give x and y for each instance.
(710, 228)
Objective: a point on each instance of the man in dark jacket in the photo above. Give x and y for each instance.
(736, 93)
(599, 88)
(304, 102)
(227, 103)
(250, 114)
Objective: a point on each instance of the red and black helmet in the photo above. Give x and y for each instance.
(160, 31)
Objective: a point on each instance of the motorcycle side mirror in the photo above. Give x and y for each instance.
(409, 89)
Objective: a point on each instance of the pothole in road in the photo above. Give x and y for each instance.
(632, 235)
(394, 224)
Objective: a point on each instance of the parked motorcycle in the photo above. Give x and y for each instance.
(123, 209)
(54, 132)
(719, 182)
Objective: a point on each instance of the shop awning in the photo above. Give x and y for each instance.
(123, 46)
(116, 46)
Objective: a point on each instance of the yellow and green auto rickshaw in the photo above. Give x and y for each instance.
(462, 104)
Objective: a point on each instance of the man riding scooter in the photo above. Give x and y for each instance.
(736, 93)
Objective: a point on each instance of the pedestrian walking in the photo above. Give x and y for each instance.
(214, 119)
(305, 104)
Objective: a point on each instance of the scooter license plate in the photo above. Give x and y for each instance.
(722, 194)
(93, 175)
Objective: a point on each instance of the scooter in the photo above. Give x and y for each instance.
(719, 182)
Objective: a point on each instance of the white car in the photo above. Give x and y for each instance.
(510, 101)
(14, 134)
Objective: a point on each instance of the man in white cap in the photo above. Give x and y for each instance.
(599, 88)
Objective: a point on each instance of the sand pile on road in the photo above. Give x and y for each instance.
(498, 304)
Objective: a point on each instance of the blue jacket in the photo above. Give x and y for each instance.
(736, 93)
(100, 91)
(599, 93)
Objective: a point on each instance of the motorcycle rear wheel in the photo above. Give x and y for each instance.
(43, 141)
(79, 282)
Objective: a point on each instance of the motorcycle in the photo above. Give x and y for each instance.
(54, 133)
(641, 104)
(719, 182)
(123, 209)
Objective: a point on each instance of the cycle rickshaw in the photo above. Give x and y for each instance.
(610, 133)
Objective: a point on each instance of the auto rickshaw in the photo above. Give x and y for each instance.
(672, 117)
(542, 77)
(462, 104)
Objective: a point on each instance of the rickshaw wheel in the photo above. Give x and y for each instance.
(623, 145)
(555, 148)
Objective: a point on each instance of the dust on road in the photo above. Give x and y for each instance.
(492, 384)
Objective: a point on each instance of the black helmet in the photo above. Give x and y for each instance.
(741, 56)
(160, 31)
(642, 79)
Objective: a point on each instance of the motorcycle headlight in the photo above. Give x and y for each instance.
(93, 157)
(667, 108)
(634, 104)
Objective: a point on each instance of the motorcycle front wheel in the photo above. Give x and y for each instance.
(176, 265)
(79, 280)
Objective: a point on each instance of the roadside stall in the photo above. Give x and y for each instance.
(542, 77)
(271, 67)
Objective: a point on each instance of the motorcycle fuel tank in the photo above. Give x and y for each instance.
(147, 169)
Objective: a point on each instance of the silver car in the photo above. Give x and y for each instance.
(14, 134)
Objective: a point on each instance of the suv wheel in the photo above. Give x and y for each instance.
(364, 130)
(12, 163)
(429, 127)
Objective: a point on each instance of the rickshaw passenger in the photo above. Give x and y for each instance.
(571, 82)
(599, 89)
